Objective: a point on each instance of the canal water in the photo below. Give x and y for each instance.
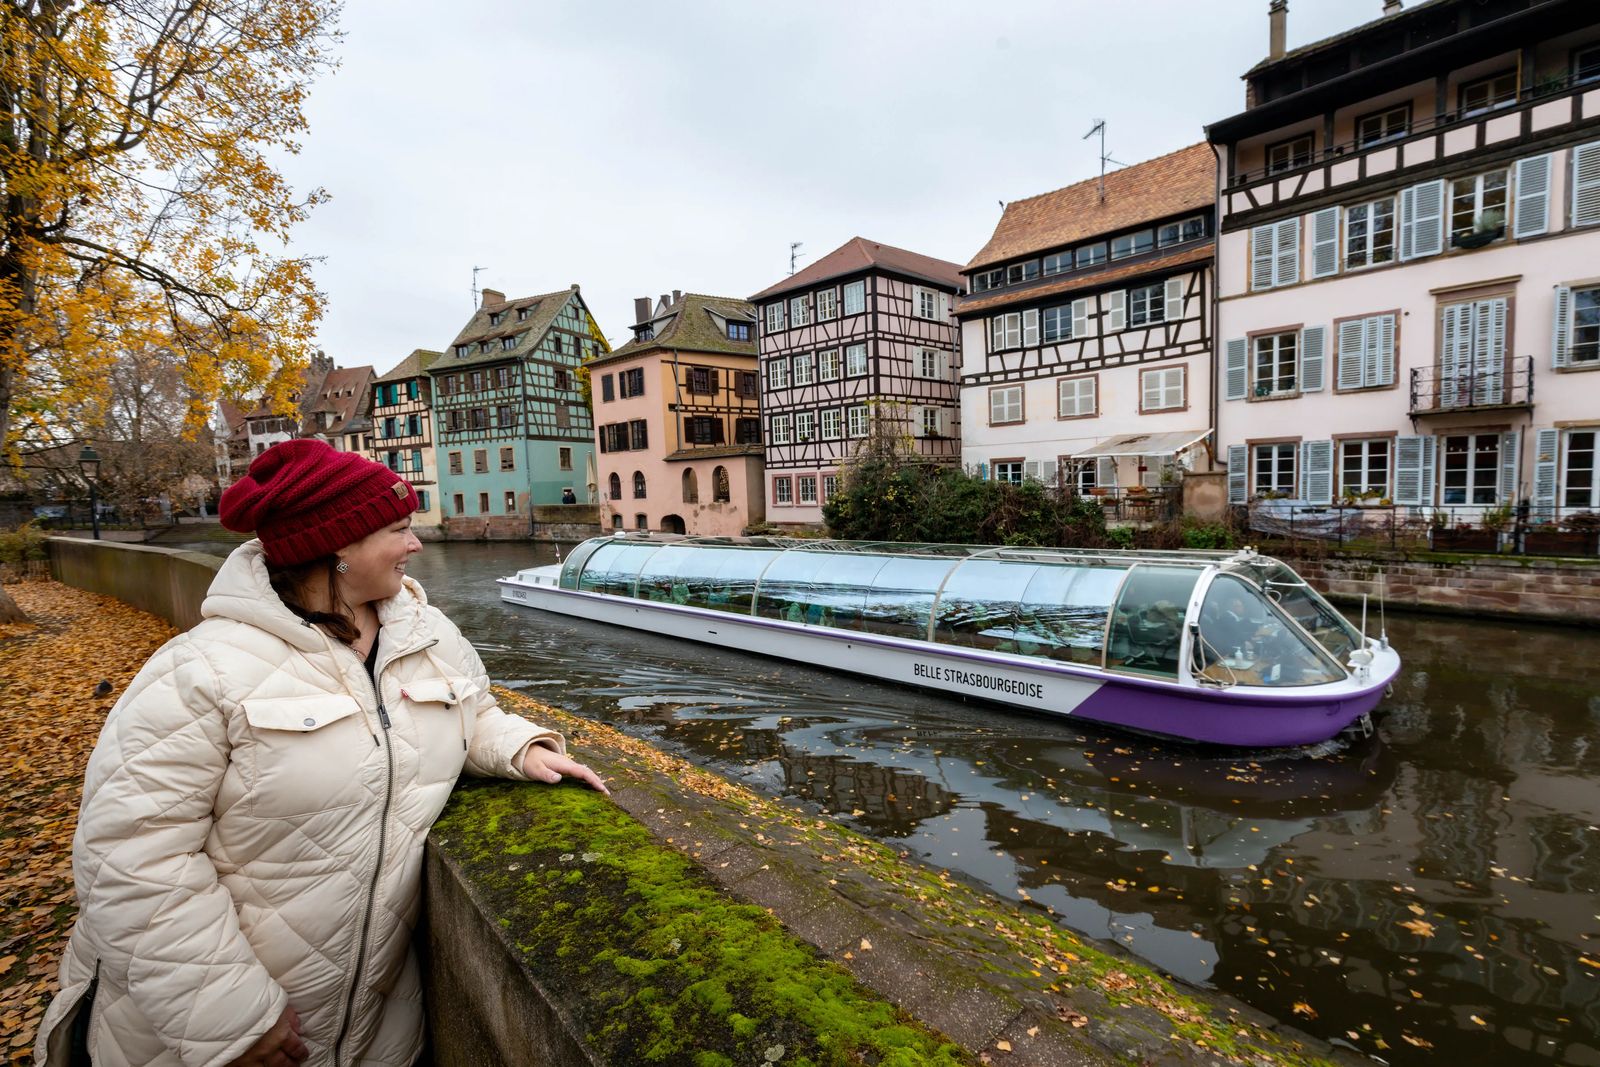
(1428, 895)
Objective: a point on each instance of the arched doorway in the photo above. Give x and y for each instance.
(672, 524)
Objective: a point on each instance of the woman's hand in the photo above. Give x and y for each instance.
(547, 765)
(280, 1046)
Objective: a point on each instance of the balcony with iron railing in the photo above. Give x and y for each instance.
(1441, 390)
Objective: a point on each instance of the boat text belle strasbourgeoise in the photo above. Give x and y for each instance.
(1228, 648)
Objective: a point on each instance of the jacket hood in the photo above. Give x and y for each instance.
(242, 591)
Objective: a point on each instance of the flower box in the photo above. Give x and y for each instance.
(1463, 539)
(1477, 238)
(1540, 542)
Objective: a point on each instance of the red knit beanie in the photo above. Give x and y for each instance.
(306, 500)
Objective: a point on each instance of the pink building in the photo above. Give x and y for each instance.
(862, 341)
(1409, 262)
(677, 419)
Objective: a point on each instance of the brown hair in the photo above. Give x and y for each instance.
(291, 582)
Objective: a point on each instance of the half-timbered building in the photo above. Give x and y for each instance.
(861, 342)
(1087, 331)
(678, 419)
(511, 427)
(1409, 262)
(401, 435)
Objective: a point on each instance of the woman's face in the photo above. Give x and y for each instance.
(378, 562)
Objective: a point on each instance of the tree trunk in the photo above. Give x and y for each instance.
(9, 611)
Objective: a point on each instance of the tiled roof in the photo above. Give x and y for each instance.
(692, 328)
(859, 254)
(715, 451)
(411, 366)
(1185, 180)
(542, 312)
(1199, 252)
(349, 392)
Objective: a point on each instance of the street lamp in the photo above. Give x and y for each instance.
(89, 463)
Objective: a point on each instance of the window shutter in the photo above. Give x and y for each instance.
(1547, 444)
(1238, 474)
(1324, 242)
(1152, 392)
(1030, 469)
(944, 307)
(1422, 220)
(1533, 196)
(997, 333)
(1489, 351)
(1429, 444)
(1080, 318)
(1316, 462)
(1288, 252)
(1174, 309)
(1380, 370)
(1116, 310)
(1047, 472)
(1562, 346)
(1313, 345)
(1352, 343)
(1261, 261)
(1030, 326)
(1105, 471)
(1510, 470)
(1237, 372)
(1586, 184)
(1412, 471)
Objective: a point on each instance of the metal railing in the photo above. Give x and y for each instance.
(1440, 389)
(1136, 504)
(1483, 528)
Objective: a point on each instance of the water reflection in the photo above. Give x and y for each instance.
(1431, 891)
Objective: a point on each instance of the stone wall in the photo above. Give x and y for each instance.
(549, 522)
(1548, 590)
(162, 581)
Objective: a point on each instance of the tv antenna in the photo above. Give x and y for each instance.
(1100, 128)
(794, 253)
(475, 271)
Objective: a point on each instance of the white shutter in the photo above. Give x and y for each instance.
(1080, 318)
(1422, 220)
(1455, 352)
(1238, 474)
(1510, 471)
(1560, 354)
(1105, 471)
(1261, 256)
(1313, 346)
(1547, 444)
(1316, 465)
(1152, 392)
(997, 333)
(1116, 310)
(1586, 184)
(1030, 469)
(1352, 343)
(1380, 364)
(1533, 196)
(1047, 471)
(944, 307)
(1429, 444)
(1030, 327)
(1287, 252)
(1489, 352)
(1324, 242)
(1174, 309)
(1412, 469)
(1236, 375)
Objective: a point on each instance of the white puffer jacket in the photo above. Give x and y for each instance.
(252, 829)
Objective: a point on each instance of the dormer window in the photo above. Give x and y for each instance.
(1174, 233)
(508, 343)
(1059, 263)
(738, 331)
(522, 314)
(1132, 244)
(495, 317)
(989, 279)
(1022, 272)
(483, 346)
(646, 332)
(1091, 255)
(463, 351)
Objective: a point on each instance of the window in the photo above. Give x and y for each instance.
(1075, 397)
(1273, 369)
(1369, 234)
(805, 426)
(805, 369)
(855, 298)
(460, 503)
(508, 459)
(1008, 470)
(507, 344)
(827, 304)
(830, 486)
(778, 373)
(855, 360)
(614, 437)
(455, 463)
(480, 461)
(392, 460)
(691, 487)
(747, 431)
(930, 364)
(1005, 404)
(416, 462)
(1366, 352)
(799, 311)
(775, 317)
(495, 317)
(1132, 244)
(1381, 126)
(1147, 305)
(1275, 254)
(1058, 323)
(1472, 468)
(564, 458)
(563, 379)
(1162, 389)
(483, 503)
(721, 491)
(1017, 273)
(638, 435)
(522, 314)
(505, 415)
(703, 381)
(476, 378)
(1488, 94)
(616, 522)
(703, 430)
(447, 384)
(745, 385)
(1586, 64)
(828, 365)
(638, 485)
(484, 346)
(832, 420)
(806, 484)
(389, 428)
(1295, 152)
(1364, 467)
(413, 425)
(1478, 203)
(928, 302)
(614, 487)
(932, 422)
(606, 394)
(1091, 255)
(1579, 489)
(856, 420)
(779, 430)
(631, 382)
(556, 343)
(1059, 263)
(511, 502)
(782, 490)
(1005, 331)
(1275, 469)
(422, 500)
(463, 351)
(989, 279)
(1178, 232)
(738, 331)
(1585, 345)
(478, 418)
(641, 523)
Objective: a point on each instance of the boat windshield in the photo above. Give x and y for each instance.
(1245, 639)
(1305, 606)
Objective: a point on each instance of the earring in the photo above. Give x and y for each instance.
(343, 567)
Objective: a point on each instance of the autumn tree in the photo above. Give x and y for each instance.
(139, 205)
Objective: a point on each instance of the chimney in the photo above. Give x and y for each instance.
(641, 309)
(1277, 27)
(1391, 7)
(492, 296)
(677, 296)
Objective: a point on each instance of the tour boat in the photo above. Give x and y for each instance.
(1227, 648)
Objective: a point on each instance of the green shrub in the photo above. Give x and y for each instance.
(25, 544)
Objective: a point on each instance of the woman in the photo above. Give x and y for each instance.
(248, 854)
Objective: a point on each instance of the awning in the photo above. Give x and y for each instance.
(1146, 444)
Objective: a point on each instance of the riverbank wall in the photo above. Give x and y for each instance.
(1517, 588)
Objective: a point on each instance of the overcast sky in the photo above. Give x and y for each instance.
(635, 148)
